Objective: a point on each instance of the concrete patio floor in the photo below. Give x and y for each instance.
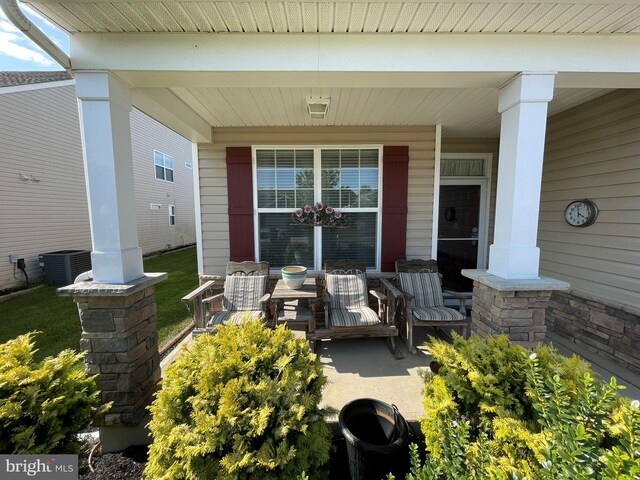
(365, 368)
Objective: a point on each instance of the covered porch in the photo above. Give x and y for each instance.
(364, 368)
(421, 84)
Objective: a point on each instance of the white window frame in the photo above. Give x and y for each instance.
(317, 175)
(172, 215)
(164, 167)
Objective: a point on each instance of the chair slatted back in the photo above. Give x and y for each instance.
(347, 291)
(346, 282)
(416, 265)
(245, 284)
(243, 292)
(424, 286)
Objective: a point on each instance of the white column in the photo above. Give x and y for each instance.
(104, 103)
(523, 105)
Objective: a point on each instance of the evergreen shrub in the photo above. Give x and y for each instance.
(498, 411)
(43, 404)
(240, 404)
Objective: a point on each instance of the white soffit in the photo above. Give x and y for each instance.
(462, 112)
(524, 16)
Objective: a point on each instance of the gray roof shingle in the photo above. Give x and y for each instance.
(14, 79)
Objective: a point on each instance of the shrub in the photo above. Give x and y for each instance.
(240, 404)
(43, 405)
(497, 411)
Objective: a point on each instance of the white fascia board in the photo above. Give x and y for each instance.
(598, 2)
(166, 108)
(292, 57)
(36, 86)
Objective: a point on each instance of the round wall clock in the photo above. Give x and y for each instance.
(581, 213)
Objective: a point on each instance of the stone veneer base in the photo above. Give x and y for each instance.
(515, 308)
(604, 328)
(121, 340)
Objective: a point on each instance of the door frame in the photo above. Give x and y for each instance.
(485, 201)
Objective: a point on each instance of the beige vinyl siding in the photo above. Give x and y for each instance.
(593, 151)
(214, 208)
(154, 231)
(213, 179)
(40, 136)
(479, 145)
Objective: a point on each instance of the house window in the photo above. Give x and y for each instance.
(462, 167)
(172, 214)
(164, 166)
(347, 179)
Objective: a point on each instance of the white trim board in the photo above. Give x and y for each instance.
(36, 86)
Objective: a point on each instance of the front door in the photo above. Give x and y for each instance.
(459, 231)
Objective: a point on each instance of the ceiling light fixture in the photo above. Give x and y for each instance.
(317, 107)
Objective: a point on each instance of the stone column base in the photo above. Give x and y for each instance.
(515, 308)
(121, 340)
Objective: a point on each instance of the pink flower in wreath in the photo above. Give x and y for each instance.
(329, 210)
(331, 220)
(307, 209)
(338, 214)
(298, 212)
(319, 206)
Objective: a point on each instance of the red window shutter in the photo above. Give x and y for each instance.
(240, 192)
(395, 180)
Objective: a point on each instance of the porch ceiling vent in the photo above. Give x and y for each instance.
(318, 107)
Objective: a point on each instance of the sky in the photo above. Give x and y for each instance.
(19, 53)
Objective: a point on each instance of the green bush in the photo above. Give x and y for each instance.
(240, 404)
(498, 411)
(43, 405)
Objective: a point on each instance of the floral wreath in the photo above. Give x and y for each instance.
(318, 215)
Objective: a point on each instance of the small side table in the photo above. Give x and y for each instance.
(296, 307)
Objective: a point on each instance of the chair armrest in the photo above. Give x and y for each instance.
(453, 293)
(265, 298)
(326, 298)
(202, 289)
(461, 298)
(378, 295)
(391, 288)
(407, 296)
(211, 299)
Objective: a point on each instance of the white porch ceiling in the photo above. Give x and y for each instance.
(523, 16)
(470, 112)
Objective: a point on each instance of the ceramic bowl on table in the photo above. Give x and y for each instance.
(294, 276)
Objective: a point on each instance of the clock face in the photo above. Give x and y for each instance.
(581, 213)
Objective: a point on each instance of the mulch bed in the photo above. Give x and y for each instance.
(129, 464)
(126, 465)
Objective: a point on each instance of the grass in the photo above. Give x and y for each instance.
(57, 317)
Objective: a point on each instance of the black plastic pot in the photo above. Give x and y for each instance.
(376, 436)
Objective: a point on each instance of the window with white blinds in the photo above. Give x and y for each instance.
(347, 179)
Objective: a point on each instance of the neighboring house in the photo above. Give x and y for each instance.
(422, 100)
(42, 182)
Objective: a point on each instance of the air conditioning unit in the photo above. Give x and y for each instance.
(62, 267)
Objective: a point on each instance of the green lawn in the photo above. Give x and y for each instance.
(57, 317)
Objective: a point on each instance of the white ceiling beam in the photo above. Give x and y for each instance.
(172, 59)
(166, 108)
(234, 79)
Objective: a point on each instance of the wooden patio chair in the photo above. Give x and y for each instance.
(346, 305)
(245, 294)
(418, 284)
